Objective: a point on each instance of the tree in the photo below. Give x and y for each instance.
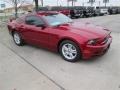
(73, 2)
(42, 2)
(16, 4)
(105, 1)
(36, 5)
(91, 2)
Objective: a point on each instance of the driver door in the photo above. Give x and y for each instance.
(34, 31)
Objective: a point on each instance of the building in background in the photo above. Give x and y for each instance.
(22, 9)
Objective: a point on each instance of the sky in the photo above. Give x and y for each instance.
(64, 3)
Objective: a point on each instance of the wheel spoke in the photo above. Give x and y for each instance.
(65, 48)
(73, 51)
(71, 55)
(70, 46)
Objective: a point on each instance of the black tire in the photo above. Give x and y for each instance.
(78, 56)
(77, 17)
(21, 43)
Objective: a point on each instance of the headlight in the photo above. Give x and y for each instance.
(92, 42)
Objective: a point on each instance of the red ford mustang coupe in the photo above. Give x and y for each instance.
(57, 32)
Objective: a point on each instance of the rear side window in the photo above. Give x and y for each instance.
(34, 20)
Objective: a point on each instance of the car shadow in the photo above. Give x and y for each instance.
(91, 60)
(42, 49)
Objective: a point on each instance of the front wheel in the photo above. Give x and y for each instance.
(70, 51)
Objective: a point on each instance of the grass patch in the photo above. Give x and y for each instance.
(4, 18)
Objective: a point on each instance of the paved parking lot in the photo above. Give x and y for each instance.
(32, 68)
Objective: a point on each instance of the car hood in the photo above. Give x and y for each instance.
(87, 30)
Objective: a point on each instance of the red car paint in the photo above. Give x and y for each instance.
(50, 37)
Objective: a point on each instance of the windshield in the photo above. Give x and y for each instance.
(57, 19)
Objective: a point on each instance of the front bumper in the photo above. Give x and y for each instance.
(90, 51)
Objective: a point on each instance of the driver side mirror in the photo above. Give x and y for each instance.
(41, 25)
(30, 22)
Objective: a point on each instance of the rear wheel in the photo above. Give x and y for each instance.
(70, 51)
(17, 39)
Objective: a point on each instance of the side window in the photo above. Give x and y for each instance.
(33, 20)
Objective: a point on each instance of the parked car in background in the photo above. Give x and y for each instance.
(113, 10)
(118, 10)
(76, 11)
(63, 10)
(100, 11)
(57, 32)
(90, 11)
(82, 11)
(42, 9)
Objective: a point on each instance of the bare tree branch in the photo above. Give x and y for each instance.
(16, 4)
(21, 3)
(7, 1)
